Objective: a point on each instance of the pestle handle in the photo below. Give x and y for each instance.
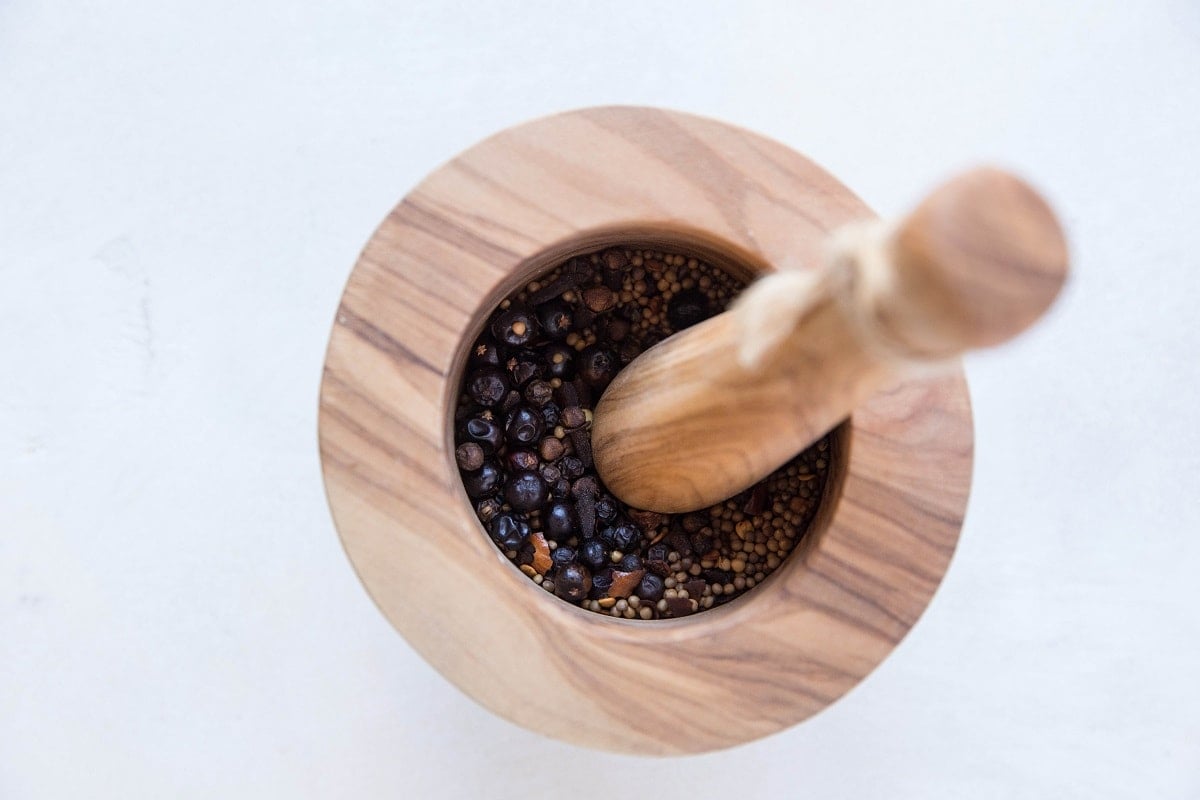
(713, 409)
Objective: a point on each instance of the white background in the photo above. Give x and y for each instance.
(183, 191)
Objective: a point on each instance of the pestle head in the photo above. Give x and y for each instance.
(976, 263)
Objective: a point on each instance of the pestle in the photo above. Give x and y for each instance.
(714, 409)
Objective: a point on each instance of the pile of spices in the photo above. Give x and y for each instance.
(523, 436)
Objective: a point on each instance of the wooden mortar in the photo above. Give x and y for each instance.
(487, 222)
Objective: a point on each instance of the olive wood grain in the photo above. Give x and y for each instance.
(714, 409)
(484, 223)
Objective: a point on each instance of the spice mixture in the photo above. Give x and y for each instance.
(522, 430)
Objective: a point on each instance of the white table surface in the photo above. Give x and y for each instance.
(182, 194)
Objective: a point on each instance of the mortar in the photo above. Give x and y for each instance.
(504, 212)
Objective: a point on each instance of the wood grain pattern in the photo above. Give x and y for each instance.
(484, 223)
(977, 262)
(713, 410)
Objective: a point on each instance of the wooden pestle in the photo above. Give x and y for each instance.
(713, 409)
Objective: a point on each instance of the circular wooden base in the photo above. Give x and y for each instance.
(484, 223)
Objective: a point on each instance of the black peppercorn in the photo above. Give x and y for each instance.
(523, 366)
(539, 393)
(525, 491)
(606, 508)
(687, 308)
(608, 535)
(562, 556)
(602, 581)
(525, 426)
(509, 530)
(573, 582)
(597, 365)
(560, 520)
(485, 353)
(571, 467)
(559, 360)
(626, 537)
(593, 553)
(555, 318)
(561, 489)
(630, 563)
(514, 326)
(482, 482)
(485, 432)
(650, 590)
(487, 386)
